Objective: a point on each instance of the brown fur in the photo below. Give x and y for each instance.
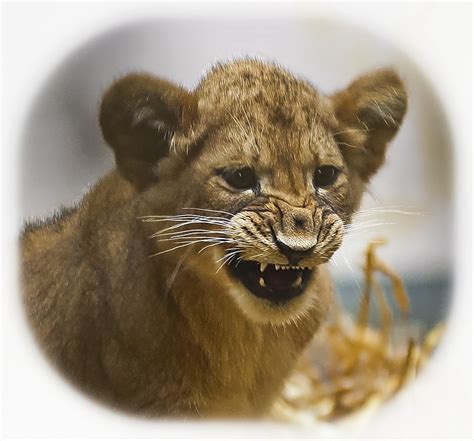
(167, 335)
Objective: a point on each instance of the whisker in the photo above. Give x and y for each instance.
(168, 251)
(181, 245)
(176, 271)
(363, 222)
(199, 239)
(256, 255)
(209, 210)
(234, 252)
(184, 217)
(193, 231)
(229, 258)
(351, 229)
(390, 210)
(174, 227)
(226, 256)
(208, 246)
(183, 235)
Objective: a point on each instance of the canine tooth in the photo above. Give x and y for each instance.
(262, 267)
(297, 282)
(277, 267)
(261, 282)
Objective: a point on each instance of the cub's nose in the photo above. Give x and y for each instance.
(295, 237)
(294, 249)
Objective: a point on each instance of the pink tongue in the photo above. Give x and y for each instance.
(279, 279)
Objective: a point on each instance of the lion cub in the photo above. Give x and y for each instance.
(190, 278)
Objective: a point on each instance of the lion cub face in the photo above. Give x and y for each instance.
(263, 172)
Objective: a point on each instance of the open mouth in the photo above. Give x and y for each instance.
(277, 283)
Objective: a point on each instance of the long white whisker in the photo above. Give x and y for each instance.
(176, 271)
(227, 260)
(188, 238)
(351, 228)
(227, 254)
(211, 211)
(194, 231)
(169, 250)
(361, 223)
(174, 227)
(181, 216)
(213, 244)
(189, 219)
(225, 241)
(184, 245)
(194, 221)
(187, 233)
(390, 210)
(256, 255)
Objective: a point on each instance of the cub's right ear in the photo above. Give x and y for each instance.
(139, 116)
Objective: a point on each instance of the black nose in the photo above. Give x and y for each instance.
(293, 255)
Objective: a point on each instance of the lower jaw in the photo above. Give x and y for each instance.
(277, 287)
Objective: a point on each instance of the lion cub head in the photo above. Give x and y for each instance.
(254, 170)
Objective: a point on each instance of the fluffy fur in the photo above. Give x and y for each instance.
(175, 334)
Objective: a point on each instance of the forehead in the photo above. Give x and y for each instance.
(266, 116)
(255, 137)
(267, 140)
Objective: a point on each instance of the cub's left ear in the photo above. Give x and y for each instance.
(369, 113)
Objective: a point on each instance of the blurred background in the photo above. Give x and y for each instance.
(409, 202)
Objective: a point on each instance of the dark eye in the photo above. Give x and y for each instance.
(325, 176)
(242, 178)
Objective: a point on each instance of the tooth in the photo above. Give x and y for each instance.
(297, 282)
(277, 267)
(262, 267)
(261, 282)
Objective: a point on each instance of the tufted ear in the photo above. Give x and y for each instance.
(139, 116)
(369, 113)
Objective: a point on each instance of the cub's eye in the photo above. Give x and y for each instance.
(325, 176)
(242, 178)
